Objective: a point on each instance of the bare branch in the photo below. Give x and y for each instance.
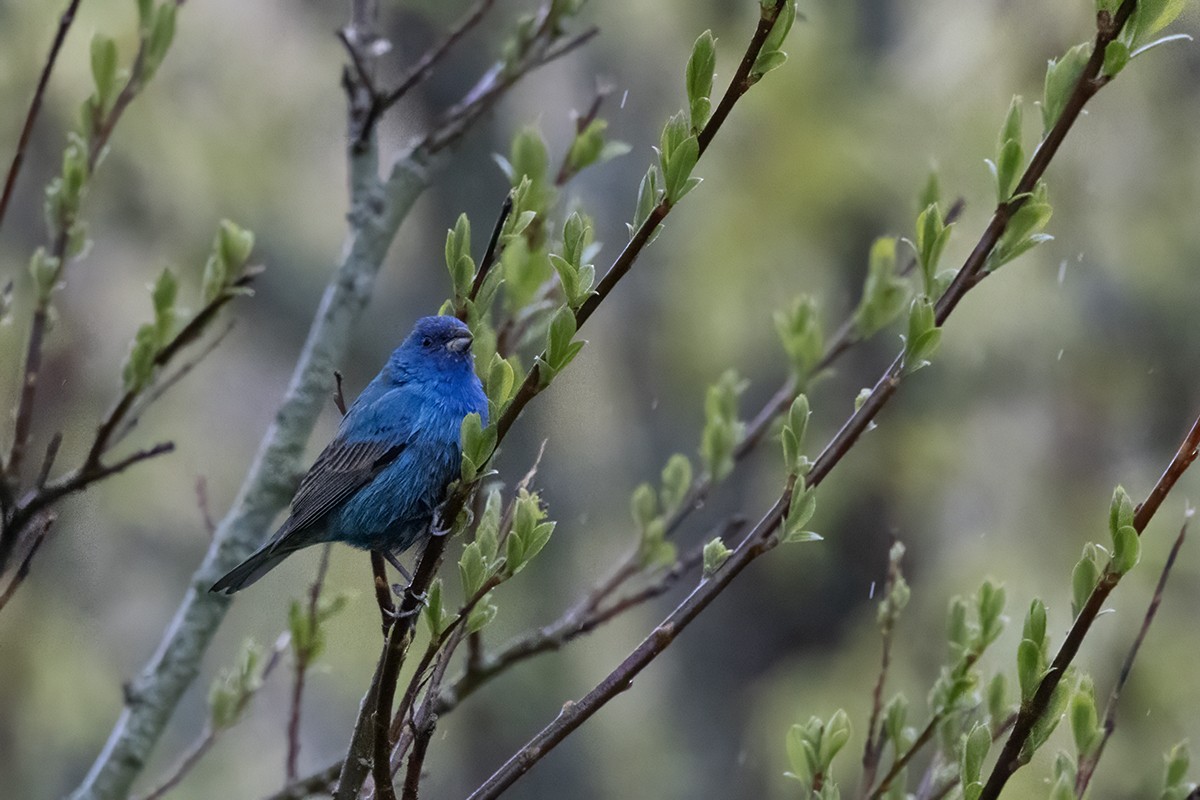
(35, 105)
(22, 571)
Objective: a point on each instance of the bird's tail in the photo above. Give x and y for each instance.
(258, 564)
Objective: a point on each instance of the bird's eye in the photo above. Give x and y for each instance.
(427, 342)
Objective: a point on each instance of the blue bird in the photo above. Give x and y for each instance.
(377, 484)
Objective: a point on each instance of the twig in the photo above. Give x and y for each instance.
(35, 105)
(1031, 711)
(1088, 766)
(208, 737)
(489, 256)
(302, 660)
(202, 504)
(759, 540)
(22, 570)
(383, 591)
(873, 749)
(484, 94)
(187, 761)
(319, 782)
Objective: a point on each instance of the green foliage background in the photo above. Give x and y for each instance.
(1071, 371)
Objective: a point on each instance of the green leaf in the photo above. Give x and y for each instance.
(799, 330)
(895, 713)
(104, 68)
(715, 554)
(676, 483)
(990, 602)
(235, 245)
(1045, 725)
(1116, 56)
(1084, 577)
(1030, 665)
(1127, 550)
(166, 288)
(997, 699)
(529, 157)
(500, 381)
(139, 364)
(235, 686)
(434, 611)
(1007, 169)
(158, 39)
(699, 79)
(482, 614)
(923, 335)
(472, 569)
(647, 199)
(800, 511)
(834, 738)
(1061, 77)
(1177, 762)
(587, 147)
(1120, 511)
(643, 505)
(677, 172)
(770, 56)
(884, 292)
(932, 235)
(974, 751)
(1084, 720)
(1035, 623)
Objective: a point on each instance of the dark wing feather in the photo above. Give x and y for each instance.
(342, 469)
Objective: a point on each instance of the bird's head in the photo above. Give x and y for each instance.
(441, 343)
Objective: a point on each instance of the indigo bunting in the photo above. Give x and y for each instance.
(377, 484)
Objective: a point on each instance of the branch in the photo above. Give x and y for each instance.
(760, 539)
(1088, 767)
(35, 105)
(22, 571)
(378, 207)
(303, 657)
(1009, 760)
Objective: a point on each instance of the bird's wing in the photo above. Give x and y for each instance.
(343, 468)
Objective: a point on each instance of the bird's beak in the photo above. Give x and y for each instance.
(459, 343)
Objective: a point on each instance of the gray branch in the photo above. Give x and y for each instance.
(377, 209)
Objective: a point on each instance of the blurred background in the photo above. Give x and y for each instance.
(1071, 370)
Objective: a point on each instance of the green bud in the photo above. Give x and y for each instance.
(715, 554)
(700, 68)
(1061, 77)
(676, 483)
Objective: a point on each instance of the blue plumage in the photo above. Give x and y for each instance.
(376, 485)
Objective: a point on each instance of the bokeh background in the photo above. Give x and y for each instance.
(1071, 370)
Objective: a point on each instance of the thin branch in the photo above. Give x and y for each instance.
(383, 592)
(319, 782)
(1031, 711)
(202, 504)
(483, 96)
(761, 538)
(1088, 766)
(35, 105)
(187, 761)
(302, 660)
(420, 72)
(873, 748)
(489, 256)
(22, 570)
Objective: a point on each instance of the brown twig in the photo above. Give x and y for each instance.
(383, 591)
(303, 658)
(1031, 711)
(210, 524)
(1087, 766)
(35, 105)
(208, 737)
(489, 256)
(873, 748)
(760, 539)
(22, 570)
